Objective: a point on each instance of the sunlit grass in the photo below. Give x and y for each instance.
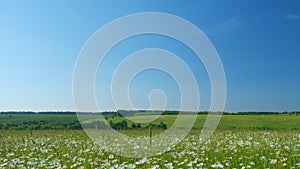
(225, 149)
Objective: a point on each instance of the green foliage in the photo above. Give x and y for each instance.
(133, 125)
(119, 125)
(162, 125)
(225, 149)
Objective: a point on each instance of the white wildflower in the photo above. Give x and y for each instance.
(31, 163)
(111, 156)
(273, 161)
(252, 163)
(217, 165)
(169, 166)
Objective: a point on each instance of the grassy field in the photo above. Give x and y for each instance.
(272, 122)
(70, 121)
(241, 141)
(227, 121)
(225, 149)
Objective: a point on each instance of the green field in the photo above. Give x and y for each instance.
(241, 141)
(255, 122)
(264, 122)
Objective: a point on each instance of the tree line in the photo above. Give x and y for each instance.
(41, 125)
(75, 125)
(130, 113)
(123, 125)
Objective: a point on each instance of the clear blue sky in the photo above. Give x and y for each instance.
(257, 41)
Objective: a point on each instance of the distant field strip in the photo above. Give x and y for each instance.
(257, 122)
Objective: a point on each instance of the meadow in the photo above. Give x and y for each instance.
(65, 121)
(240, 141)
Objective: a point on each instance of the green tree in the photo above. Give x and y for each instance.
(133, 125)
(162, 125)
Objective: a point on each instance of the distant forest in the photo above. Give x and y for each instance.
(168, 112)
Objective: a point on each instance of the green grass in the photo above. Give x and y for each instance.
(240, 141)
(226, 149)
(263, 122)
(271, 122)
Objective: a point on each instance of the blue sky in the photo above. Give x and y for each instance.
(257, 41)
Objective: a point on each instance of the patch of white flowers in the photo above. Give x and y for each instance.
(224, 149)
